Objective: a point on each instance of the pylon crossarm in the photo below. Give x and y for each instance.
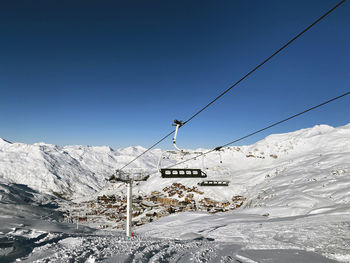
(125, 177)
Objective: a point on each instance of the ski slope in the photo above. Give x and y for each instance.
(296, 209)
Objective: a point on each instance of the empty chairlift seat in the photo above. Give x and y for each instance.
(214, 183)
(179, 172)
(182, 173)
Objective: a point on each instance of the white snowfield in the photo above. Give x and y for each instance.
(297, 207)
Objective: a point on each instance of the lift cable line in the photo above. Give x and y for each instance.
(266, 60)
(154, 145)
(261, 130)
(236, 83)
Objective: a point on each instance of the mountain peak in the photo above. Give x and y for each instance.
(3, 141)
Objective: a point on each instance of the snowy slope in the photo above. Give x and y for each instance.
(304, 169)
(325, 233)
(297, 171)
(297, 207)
(71, 171)
(31, 231)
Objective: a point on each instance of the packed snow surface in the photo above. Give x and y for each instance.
(296, 187)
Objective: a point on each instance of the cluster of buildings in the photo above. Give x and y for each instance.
(110, 211)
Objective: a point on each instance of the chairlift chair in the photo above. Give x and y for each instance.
(214, 183)
(178, 172)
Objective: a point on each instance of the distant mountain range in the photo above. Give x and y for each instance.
(300, 171)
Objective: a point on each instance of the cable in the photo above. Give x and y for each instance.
(235, 84)
(263, 129)
(266, 60)
(166, 136)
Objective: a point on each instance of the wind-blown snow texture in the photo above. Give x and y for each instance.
(299, 180)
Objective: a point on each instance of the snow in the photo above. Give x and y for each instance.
(296, 209)
(325, 233)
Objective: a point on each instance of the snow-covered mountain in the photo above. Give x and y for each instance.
(295, 186)
(301, 170)
(71, 171)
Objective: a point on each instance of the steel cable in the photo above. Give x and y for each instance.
(261, 130)
(236, 83)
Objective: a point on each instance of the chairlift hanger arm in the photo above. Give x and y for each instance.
(178, 172)
(178, 125)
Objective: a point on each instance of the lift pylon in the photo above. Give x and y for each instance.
(128, 178)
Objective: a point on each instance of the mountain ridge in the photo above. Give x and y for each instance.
(80, 171)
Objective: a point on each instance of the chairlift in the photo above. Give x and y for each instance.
(214, 183)
(178, 172)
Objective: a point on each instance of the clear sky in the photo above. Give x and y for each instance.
(118, 72)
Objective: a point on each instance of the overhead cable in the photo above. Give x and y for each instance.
(266, 60)
(236, 83)
(263, 129)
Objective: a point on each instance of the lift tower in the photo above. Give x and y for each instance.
(128, 178)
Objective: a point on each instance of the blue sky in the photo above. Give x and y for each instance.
(118, 72)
